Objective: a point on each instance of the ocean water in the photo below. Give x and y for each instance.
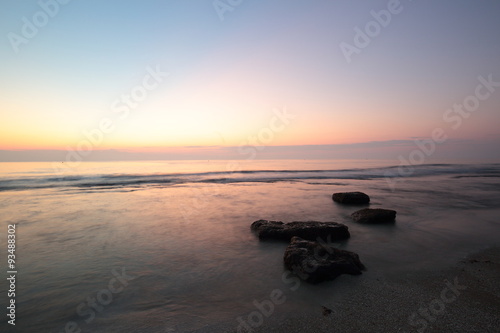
(166, 246)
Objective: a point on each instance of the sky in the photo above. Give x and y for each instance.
(239, 79)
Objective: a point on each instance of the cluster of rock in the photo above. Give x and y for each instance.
(307, 230)
(351, 198)
(374, 215)
(310, 254)
(315, 262)
(366, 215)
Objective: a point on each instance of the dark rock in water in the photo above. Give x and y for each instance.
(326, 311)
(307, 230)
(352, 198)
(315, 262)
(374, 215)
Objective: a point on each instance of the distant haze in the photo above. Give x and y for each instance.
(404, 152)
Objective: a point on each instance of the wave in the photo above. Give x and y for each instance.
(122, 181)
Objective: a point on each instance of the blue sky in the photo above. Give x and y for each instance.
(226, 76)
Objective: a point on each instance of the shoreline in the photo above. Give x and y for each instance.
(202, 269)
(464, 297)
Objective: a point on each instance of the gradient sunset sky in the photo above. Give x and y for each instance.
(230, 72)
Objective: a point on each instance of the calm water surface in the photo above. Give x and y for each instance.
(178, 234)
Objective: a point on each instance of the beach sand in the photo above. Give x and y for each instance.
(417, 302)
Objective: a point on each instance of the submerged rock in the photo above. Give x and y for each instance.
(308, 230)
(316, 262)
(326, 311)
(374, 215)
(352, 198)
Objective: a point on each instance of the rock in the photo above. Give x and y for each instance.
(314, 262)
(352, 198)
(307, 230)
(374, 215)
(326, 311)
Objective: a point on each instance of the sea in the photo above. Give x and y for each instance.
(166, 246)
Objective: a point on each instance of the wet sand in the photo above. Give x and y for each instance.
(464, 297)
